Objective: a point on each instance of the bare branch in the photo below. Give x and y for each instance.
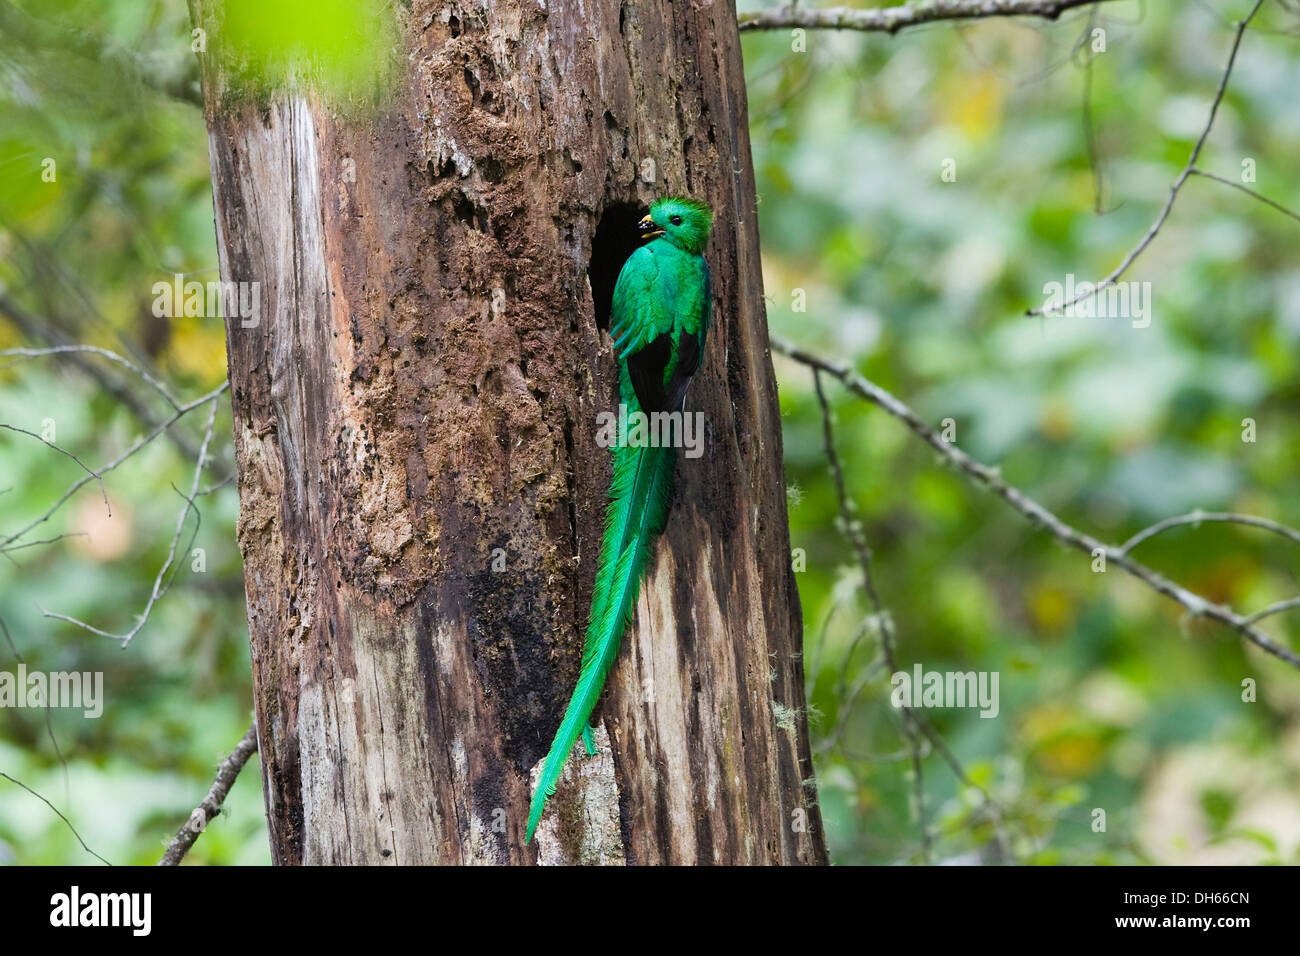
(156, 385)
(1200, 517)
(4, 629)
(49, 720)
(1052, 307)
(1249, 192)
(847, 695)
(893, 19)
(161, 582)
(997, 815)
(1090, 136)
(914, 724)
(60, 815)
(211, 805)
(992, 480)
(90, 472)
(852, 530)
(78, 485)
(32, 544)
(42, 329)
(1276, 607)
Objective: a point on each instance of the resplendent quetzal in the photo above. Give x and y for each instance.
(658, 321)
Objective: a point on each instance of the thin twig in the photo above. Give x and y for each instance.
(853, 531)
(211, 805)
(1277, 607)
(4, 628)
(847, 694)
(49, 708)
(1200, 517)
(77, 486)
(997, 815)
(1249, 192)
(149, 380)
(1090, 136)
(98, 476)
(161, 582)
(60, 814)
(43, 328)
(1131, 257)
(54, 540)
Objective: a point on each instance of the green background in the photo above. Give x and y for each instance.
(1111, 698)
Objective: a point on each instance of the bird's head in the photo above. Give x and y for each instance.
(683, 222)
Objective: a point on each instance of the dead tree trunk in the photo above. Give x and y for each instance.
(421, 489)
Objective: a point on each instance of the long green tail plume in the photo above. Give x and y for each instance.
(638, 509)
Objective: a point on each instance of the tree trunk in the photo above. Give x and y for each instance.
(421, 492)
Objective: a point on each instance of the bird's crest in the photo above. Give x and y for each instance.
(684, 221)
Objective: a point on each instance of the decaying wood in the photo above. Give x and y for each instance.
(421, 489)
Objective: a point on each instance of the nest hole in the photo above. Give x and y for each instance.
(616, 238)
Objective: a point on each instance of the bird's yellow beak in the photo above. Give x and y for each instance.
(648, 228)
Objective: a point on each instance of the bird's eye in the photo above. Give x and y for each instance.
(675, 220)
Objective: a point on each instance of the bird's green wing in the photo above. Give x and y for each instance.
(644, 300)
(660, 316)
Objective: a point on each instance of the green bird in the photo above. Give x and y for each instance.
(658, 321)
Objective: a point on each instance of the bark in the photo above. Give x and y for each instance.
(421, 492)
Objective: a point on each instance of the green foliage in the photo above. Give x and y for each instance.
(1109, 697)
(343, 48)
